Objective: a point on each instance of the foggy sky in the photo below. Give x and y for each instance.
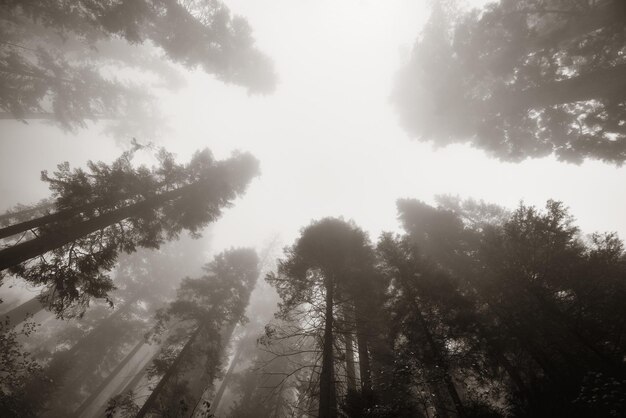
(328, 139)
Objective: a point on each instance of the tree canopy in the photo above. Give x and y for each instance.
(60, 61)
(521, 79)
(118, 208)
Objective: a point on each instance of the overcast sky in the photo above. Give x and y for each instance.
(328, 139)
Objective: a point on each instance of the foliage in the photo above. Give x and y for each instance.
(17, 369)
(54, 57)
(520, 79)
(76, 272)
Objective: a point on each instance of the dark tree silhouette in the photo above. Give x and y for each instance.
(322, 269)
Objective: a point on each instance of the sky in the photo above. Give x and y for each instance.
(328, 139)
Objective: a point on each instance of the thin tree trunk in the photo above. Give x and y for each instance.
(103, 326)
(350, 370)
(41, 221)
(151, 401)
(328, 402)
(227, 376)
(87, 402)
(440, 361)
(362, 343)
(19, 253)
(137, 378)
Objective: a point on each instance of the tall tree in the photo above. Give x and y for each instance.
(117, 208)
(317, 274)
(209, 307)
(521, 79)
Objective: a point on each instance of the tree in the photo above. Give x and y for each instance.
(115, 208)
(52, 57)
(104, 345)
(519, 291)
(521, 79)
(315, 278)
(209, 307)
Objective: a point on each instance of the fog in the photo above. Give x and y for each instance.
(360, 118)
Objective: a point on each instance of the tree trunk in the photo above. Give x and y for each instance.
(151, 401)
(137, 378)
(364, 356)
(19, 314)
(227, 376)
(41, 221)
(350, 370)
(328, 402)
(87, 402)
(440, 361)
(19, 253)
(103, 326)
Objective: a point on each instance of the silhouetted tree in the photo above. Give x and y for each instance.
(521, 79)
(318, 277)
(520, 282)
(115, 208)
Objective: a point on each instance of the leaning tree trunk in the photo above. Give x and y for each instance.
(228, 376)
(62, 215)
(154, 396)
(440, 361)
(328, 401)
(87, 402)
(19, 253)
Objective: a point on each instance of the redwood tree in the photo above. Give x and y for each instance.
(119, 207)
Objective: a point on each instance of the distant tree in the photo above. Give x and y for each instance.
(52, 54)
(521, 79)
(103, 343)
(208, 307)
(118, 207)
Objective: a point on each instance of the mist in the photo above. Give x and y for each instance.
(312, 208)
